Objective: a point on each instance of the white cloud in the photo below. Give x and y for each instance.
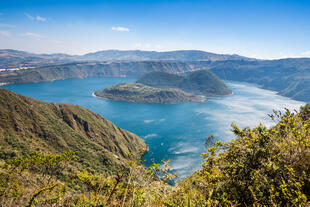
(120, 29)
(5, 34)
(40, 19)
(30, 34)
(37, 18)
(7, 25)
(306, 53)
(29, 16)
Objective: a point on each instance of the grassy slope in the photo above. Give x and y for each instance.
(261, 167)
(29, 125)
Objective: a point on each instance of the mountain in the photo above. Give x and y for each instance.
(202, 82)
(140, 93)
(262, 166)
(139, 55)
(161, 79)
(98, 69)
(15, 58)
(28, 125)
(289, 77)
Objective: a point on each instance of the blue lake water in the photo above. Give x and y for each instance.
(172, 131)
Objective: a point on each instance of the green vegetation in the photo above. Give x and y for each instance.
(140, 93)
(28, 125)
(47, 180)
(289, 77)
(202, 82)
(260, 167)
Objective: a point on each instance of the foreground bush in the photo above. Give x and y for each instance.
(260, 167)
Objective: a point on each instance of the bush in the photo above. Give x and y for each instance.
(269, 167)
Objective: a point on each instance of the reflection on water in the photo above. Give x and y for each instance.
(172, 131)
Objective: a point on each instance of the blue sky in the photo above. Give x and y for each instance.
(255, 28)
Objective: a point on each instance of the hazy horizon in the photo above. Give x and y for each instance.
(256, 29)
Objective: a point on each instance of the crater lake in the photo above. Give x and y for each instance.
(172, 131)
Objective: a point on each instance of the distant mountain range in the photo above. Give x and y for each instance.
(179, 55)
(15, 58)
(289, 77)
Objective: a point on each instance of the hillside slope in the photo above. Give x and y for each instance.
(260, 167)
(98, 69)
(29, 125)
(140, 93)
(202, 82)
(289, 77)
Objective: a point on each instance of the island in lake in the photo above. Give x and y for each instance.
(201, 82)
(161, 87)
(140, 93)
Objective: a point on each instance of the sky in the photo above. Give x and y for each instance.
(267, 29)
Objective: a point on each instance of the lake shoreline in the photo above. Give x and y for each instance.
(180, 129)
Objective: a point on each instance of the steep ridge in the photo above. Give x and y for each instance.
(29, 125)
(83, 70)
(289, 77)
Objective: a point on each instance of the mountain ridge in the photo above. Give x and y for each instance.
(28, 125)
(15, 58)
